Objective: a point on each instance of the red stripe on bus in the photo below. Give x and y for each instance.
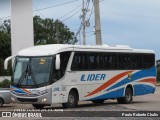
(108, 83)
(25, 90)
(149, 80)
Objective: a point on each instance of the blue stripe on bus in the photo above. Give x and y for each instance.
(141, 74)
(113, 94)
(141, 89)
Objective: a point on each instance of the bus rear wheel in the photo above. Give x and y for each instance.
(38, 106)
(127, 98)
(72, 100)
(98, 101)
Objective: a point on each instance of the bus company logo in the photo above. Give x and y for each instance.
(129, 75)
(42, 61)
(93, 77)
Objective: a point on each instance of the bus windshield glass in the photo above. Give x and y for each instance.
(32, 71)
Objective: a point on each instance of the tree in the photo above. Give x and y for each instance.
(5, 39)
(5, 46)
(48, 31)
(5, 84)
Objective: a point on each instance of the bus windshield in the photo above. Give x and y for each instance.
(32, 71)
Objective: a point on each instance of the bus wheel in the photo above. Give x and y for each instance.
(72, 100)
(1, 102)
(127, 98)
(38, 106)
(98, 101)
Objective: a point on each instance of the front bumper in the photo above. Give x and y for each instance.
(45, 99)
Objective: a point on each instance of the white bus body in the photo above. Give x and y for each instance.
(48, 74)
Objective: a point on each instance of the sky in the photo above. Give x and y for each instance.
(123, 22)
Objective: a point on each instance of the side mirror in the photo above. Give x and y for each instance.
(57, 62)
(6, 62)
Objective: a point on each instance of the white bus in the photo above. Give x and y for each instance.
(48, 74)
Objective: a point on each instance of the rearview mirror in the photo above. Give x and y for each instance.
(6, 62)
(57, 62)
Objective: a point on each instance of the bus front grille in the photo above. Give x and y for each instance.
(27, 99)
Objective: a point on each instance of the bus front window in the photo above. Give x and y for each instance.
(32, 71)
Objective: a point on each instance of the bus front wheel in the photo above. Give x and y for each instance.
(38, 106)
(127, 98)
(72, 100)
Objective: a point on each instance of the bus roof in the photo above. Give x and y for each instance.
(45, 50)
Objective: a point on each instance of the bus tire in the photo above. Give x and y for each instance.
(72, 100)
(38, 106)
(98, 101)
(127, 98)
(1, 102)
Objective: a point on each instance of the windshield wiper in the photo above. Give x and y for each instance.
(32, 76)
(26, 74)
(22, 77)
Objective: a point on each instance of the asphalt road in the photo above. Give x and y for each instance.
(150, 102)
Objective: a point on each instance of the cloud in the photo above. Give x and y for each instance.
(130, 22)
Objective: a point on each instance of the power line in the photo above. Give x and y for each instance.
(56, 5)
(91, 13)
(71, 15)
(90, 35)
(89, 31)
(70, 11)
(37, 11)
(78, 32)
(48, 7)
(79, 29)
(84, 10)
(84, 22)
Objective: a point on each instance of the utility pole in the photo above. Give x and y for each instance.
(97, 23)
(84, 23)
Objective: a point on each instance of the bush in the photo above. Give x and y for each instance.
(5, 84)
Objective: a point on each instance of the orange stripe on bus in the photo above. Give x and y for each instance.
(25, 90)
(108, 83)
(149, 80)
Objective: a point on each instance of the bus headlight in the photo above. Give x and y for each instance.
(44, 99)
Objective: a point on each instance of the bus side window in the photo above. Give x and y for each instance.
(95, 61)
(64, 57)
(79, 61)
(136, 61)
(110, 61)
(123, 61)
(58, 74)
(148, 60)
